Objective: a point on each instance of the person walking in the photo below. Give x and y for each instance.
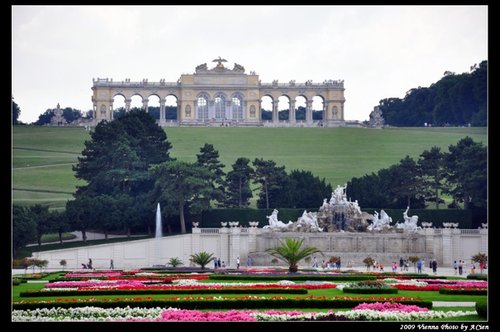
(419, 266)
(111, 265)
(460, 267)
(455, 267)
(434, 266)
(237, 262)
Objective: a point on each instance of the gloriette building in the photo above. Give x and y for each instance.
(221, 95)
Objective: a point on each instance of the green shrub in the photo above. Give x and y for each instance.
(482, 309)
(449, 291)
(477, 276)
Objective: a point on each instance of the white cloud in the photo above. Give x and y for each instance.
(380, 51)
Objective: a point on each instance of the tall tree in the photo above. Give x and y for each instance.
(209, 158)
(179, 184)
(407, 184)
(431, 164)
(271, 179)
(238, 184)
(16, 111)
(23, 227)
(116, 159)
(466, 173)
(304, 190)
(41, 217)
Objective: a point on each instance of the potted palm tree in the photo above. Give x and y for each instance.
(291, 252)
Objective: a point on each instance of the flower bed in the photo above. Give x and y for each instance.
(377, 312)
(220, 302)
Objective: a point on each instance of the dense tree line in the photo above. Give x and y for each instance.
(455, 100)
(461, 173)
(69, 114)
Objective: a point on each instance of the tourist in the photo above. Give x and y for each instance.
(249, 261)
(315, 262)
(89, 264)
(460, 267)
(237, 262)
(215, 263)
(111, 265)
(223, 265)
(419, 266)
(218, 262)
(455, 266)
(401, 263)
(434, 266)
(394, 267)
(339, 264)
(472, 268)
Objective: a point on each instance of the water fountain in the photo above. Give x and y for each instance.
(158, 236)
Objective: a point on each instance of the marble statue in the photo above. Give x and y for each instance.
(410, 223)
(309, 220)
(340, 195)
(274, 222)
(325, 205)
(380, 223)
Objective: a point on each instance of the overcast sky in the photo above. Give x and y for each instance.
(379, 51)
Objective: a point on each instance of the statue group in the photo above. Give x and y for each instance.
(340, 214)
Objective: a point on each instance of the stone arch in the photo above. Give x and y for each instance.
(266, 107)
(284, 107)
(119, 107)
(135, 102)
(300, 105)
(152, 106)
(201, 103)
(237, 106)
(220, 100)
(318, 107)
(171, 107)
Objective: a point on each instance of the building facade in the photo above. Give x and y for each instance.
(221, 95)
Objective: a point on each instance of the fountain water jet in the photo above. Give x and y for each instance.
(158, 235)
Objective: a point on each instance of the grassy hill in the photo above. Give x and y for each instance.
(42, 156)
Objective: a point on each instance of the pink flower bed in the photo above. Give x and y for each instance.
(212, 316)
(136, 284)
(389, 306)
(437, 287)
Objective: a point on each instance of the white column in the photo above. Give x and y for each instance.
(446, 244)
(291, 113)
(224, 244)
(162, 110)
(275, 111)
(145, 104)
(234, 248)
(127, 105)
(309, 111)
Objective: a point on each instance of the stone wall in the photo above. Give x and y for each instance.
(444, 245)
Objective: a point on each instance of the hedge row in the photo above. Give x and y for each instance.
(476, 276)
(291, 277)
(450, 291)
(214, 304)
(164, 291)
(370, 290)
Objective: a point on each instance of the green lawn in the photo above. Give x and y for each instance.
(42, 156)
